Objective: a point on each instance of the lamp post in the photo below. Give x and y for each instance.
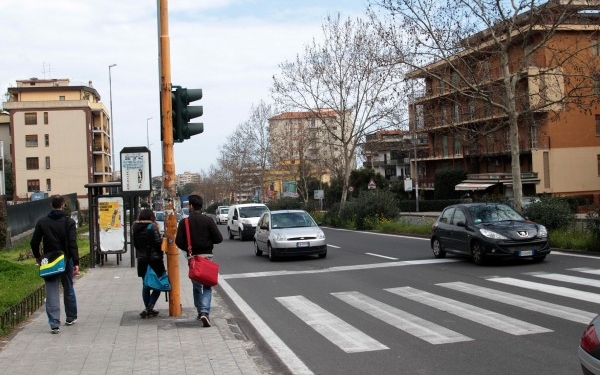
(147, 136)
(112, 136)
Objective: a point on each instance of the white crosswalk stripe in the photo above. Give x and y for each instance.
(568, 279)
(421, 328)
(552, 289)
(532, 304)
(482, 316)
(353, 340)
(340, 333)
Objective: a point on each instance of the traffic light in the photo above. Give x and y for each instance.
(183, 113)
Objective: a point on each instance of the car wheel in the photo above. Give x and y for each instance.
(241, 235)
(323, 255)
(438, 249)
(272, 256)
(230, 234)
(257, 251)
(539, 259)
(477, 253)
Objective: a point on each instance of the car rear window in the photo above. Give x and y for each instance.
(255, 211)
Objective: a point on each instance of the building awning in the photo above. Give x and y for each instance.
(474, 185)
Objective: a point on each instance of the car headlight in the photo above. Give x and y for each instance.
(542, 231)
(493, 235)
(320, 236)
(278, 237)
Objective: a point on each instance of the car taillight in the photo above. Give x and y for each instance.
(589, 340)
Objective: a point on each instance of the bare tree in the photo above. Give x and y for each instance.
(510, 60)
(344, 74)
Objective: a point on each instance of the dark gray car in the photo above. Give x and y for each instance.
(488, 230)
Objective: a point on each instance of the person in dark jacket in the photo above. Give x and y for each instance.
(58, 232)
(147, 239)
(204, 233)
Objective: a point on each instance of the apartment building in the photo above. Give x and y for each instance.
(60, 138)
(559, 133)
(298, 138)
(187, 178)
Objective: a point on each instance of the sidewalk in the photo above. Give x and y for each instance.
(109, 336)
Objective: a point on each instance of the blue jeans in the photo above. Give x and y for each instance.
(150, 296)
(53, 296)
(202, 295)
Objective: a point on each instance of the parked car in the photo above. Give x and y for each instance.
(589, 349)
(222, 215)
(488, 230)
(242, 219)
(289, 233)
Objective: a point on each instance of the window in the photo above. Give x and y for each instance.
(598, 161)
(596, 79)
(47, 140)
(31, 140)
(442, 86)
(597, 125)
(48, 184)
(595, 47)
(62, 97)
(31, 118)
(32, 163)
(456, 113)
(45, 118)
(47, 162)
(33, 186)
(457, 146)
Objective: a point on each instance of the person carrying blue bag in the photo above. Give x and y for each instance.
(147, 240)
(57, 232)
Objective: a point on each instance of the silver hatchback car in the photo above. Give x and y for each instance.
(289, 233)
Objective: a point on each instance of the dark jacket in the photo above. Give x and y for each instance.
(146, 240)
(204, 233)
(51, 231)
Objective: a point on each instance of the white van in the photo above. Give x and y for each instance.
(243, 218)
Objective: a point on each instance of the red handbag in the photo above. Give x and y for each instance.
(201, 269)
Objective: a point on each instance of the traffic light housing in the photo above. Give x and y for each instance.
(183, 113)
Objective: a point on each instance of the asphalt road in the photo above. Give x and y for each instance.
(381, 304)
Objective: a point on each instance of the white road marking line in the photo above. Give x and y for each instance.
(482, 316)
(568, 279)
(381, 256)
(411, 324)
(334, 329)
(335, 247)
(281, 350)
(381, 234)
(340, 268)
(532, 304)
(592, 271)
(577, 255)
(557, 290)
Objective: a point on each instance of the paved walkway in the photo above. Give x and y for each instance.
(109, 336)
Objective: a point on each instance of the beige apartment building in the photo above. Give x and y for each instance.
(60, 138)
(559, 139)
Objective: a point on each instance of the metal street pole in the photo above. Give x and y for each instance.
(166, 114)
(147, 136)
(112, 135)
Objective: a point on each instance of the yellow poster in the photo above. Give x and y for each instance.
(109, 215)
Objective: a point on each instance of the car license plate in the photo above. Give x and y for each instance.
(302, 244)
(526, 253)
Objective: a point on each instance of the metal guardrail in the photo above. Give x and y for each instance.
(20, 312)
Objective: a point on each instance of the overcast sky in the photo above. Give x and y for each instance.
(229, 48)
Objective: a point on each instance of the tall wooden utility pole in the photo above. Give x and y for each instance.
(166, 113)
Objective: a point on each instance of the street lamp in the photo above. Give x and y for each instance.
(112, 135)
(147, 137)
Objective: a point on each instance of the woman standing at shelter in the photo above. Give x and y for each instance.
(147, 241)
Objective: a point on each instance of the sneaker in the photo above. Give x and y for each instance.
(199, 317)
(144, 314)
(205, 320)
(55, 330)
(70, 322)
(153, 312)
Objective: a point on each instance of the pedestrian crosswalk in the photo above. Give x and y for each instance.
(352, 340)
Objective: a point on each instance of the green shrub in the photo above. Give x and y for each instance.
(553, 212)
(594, 223)
(570, 238)
(370, 207)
